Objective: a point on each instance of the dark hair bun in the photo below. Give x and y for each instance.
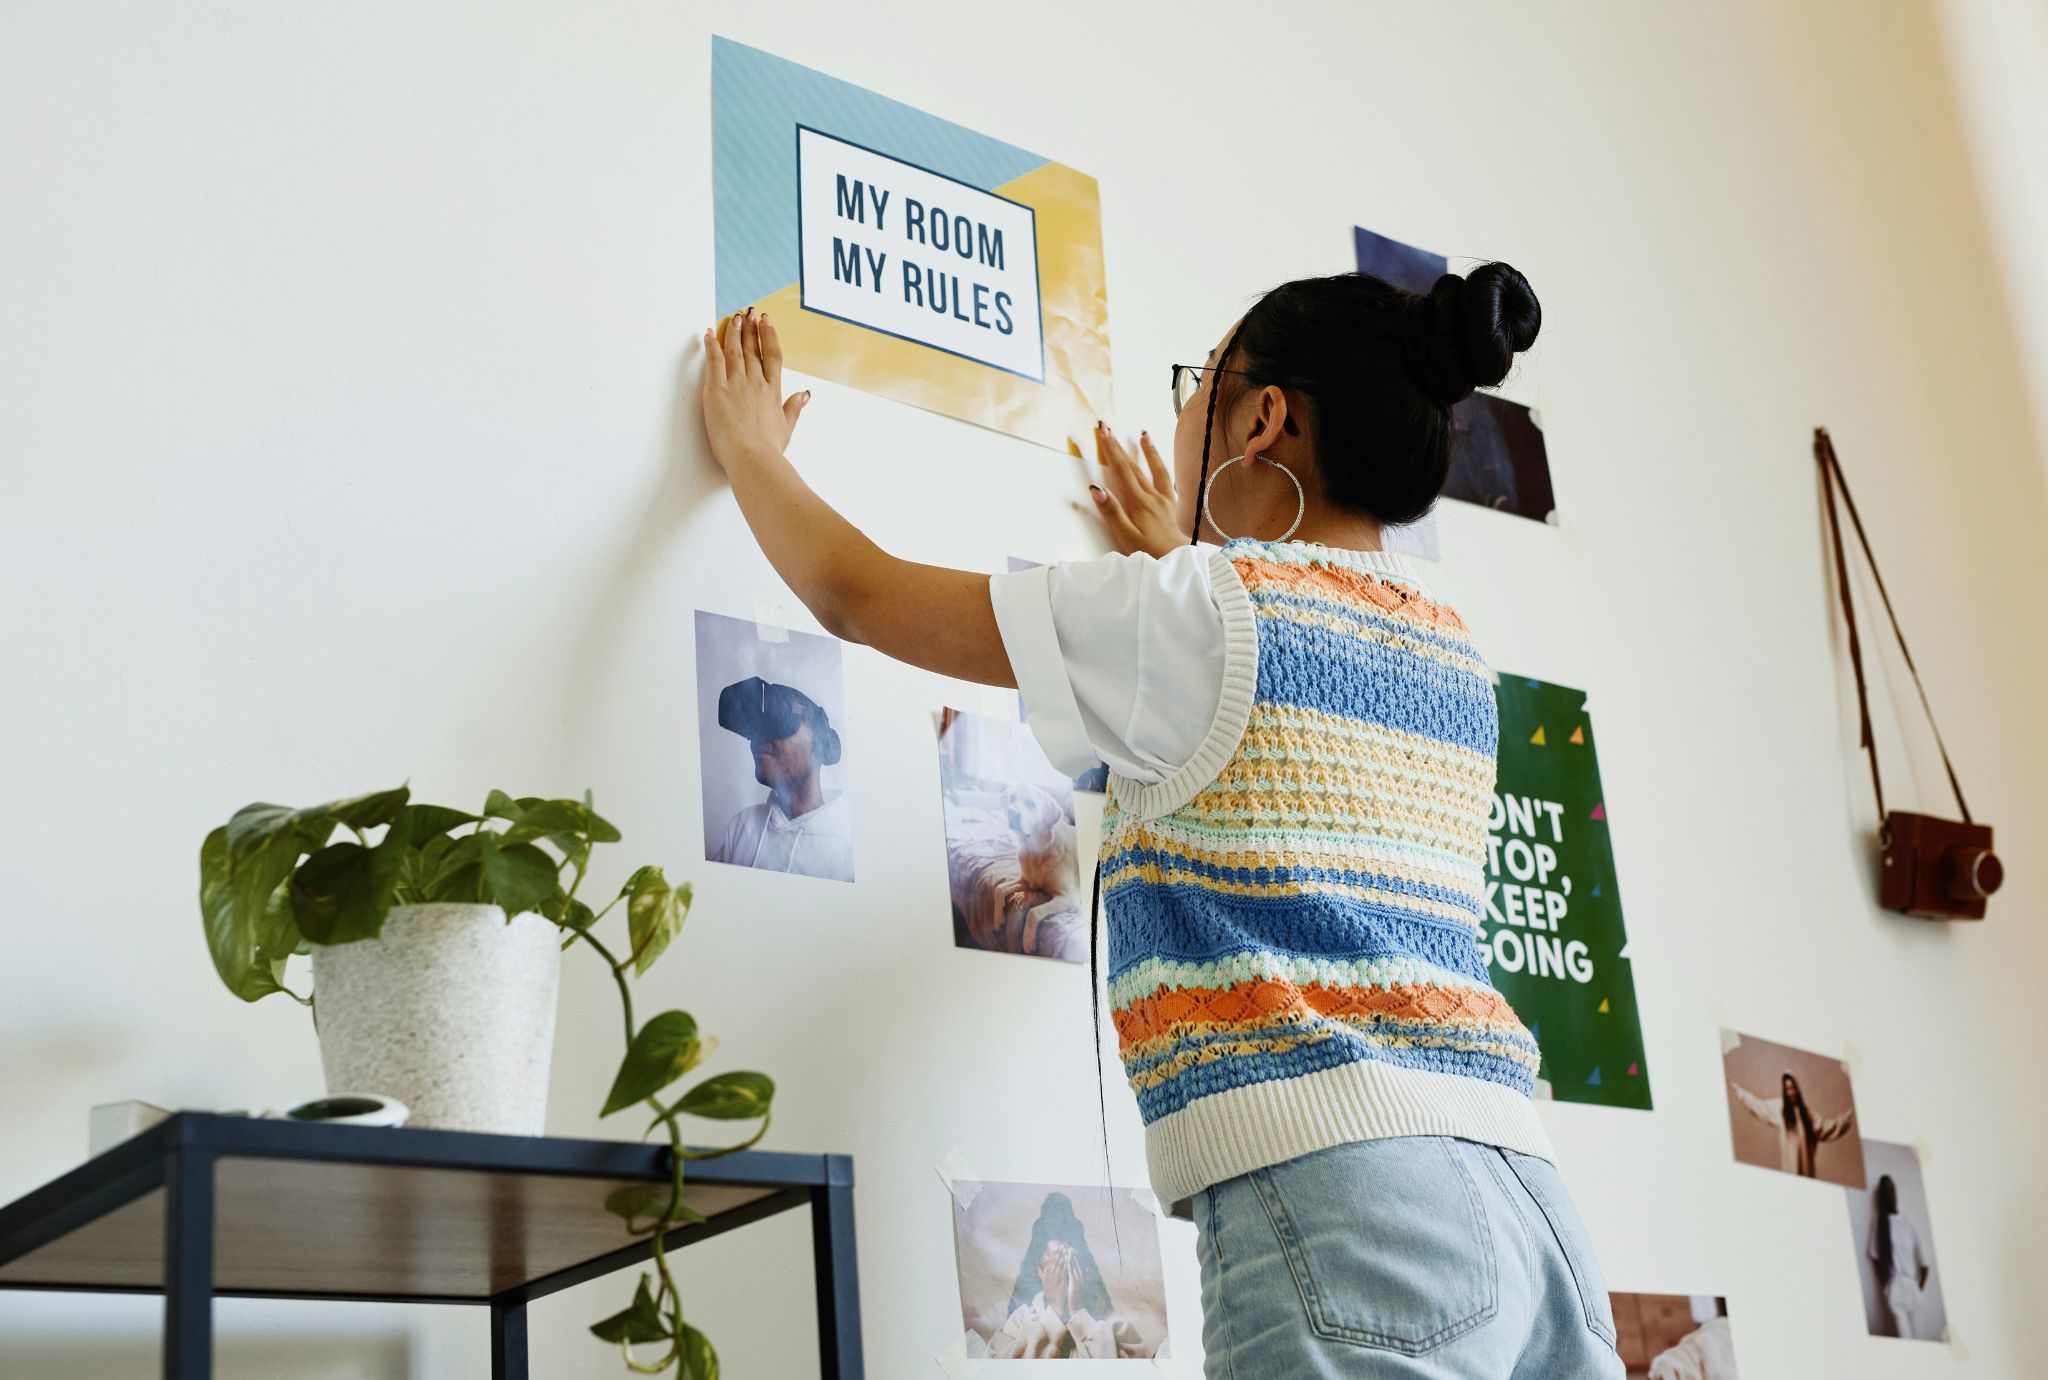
(1466, 333)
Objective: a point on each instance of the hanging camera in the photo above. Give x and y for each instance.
(1941, 869)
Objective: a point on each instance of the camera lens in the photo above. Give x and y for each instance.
(1971, 874)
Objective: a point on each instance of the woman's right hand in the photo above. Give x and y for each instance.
(1135, 501)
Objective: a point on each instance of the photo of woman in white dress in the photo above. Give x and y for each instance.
(1888, 1226)
(1799, 1131)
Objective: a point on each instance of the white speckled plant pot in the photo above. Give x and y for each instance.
(451, 1011)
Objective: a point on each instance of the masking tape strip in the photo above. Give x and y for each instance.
(771, 620)
(1852, 1060)
(1922, 1152)
(956, 1361)
(997, 703)
(953, 1169)
(1730, 1040)
(1167, 1363)
(1147, 1199)
(1955, 1344)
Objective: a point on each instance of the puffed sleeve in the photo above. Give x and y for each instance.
(1145, 663)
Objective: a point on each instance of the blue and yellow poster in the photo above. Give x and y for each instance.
(907, 255)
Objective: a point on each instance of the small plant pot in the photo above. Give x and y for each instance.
(451, 1010)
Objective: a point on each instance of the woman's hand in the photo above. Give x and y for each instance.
(744, 410)
(1136, 506)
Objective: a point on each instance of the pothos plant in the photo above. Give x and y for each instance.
(274, 881)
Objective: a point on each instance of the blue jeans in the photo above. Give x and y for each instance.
(1419, 1257)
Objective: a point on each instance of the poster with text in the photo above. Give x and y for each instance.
(1498, 459)
(1553, 927)
(906, 255)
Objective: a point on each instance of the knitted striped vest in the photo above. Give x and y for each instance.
(1294, 920)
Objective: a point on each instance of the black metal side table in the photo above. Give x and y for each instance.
(204, 1204)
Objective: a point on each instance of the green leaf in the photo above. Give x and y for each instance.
(729, 1097)
(255, 826)
(633, 1202)
(700, 1362)
(578, 916)
(341, 894)
(457, 873)
(640, 1323)
(519, 877)
(233, 903)
(548, 817)
(417, 825)
(602, 830)
(654, 914)
(665, 1049)
(498, 805)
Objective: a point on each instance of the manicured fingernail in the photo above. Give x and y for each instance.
(1095, 492)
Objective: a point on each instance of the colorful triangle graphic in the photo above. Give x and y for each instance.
(1603, 1006)
(1631, 1070)
(1594, 1081)
(1579, 735)
(1538, 739)
(1600, 810)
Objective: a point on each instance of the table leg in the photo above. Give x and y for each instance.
(188, 1265)
(832, 1255)
(508, 1340)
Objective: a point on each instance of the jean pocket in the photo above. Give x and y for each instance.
(1546, 1187)
(1386, 1239)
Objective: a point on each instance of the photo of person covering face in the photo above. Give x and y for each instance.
(1894, 1243)
(769, 713)
(1012, 861)
(1792, 1110)
(1057, 1273)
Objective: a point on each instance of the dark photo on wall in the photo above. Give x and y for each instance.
(1498, 459)
(771, 711)
(1057, 1273)
(1012, 865)
(1893, 1237)
(1792, 1110)
(1674, 1336)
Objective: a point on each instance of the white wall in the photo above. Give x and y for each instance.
(346, 388)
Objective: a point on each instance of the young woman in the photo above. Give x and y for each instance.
(1301, 741)
(1799, 1134)
(1902, 1266)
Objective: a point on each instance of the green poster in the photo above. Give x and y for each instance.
(1553, 925)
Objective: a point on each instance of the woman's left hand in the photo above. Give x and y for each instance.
(744, 411)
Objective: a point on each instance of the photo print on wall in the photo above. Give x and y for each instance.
(1498, 459)
(1012, 861)
(1553, 931)
(1893, 1237)
(1792, 1110)
(771, 719)
(1050, 1272)
(1674, 1336)
(906, 255)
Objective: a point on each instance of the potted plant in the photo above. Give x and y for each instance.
(435, 949)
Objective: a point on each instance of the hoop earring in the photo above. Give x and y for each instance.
(1300, 499)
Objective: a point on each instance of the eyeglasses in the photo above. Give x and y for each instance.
(1187, 379)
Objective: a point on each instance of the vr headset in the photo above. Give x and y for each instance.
(762, 711)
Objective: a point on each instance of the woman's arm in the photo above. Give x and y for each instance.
(1758, 1108)
(1835, 1127)
(930, 616)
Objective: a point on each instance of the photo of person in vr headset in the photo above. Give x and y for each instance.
(800, 827)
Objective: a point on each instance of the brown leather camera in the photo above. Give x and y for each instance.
(1941, 869)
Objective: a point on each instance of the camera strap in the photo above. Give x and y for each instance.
(1833, 480)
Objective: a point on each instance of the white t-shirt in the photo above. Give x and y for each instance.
(817, 843)
(1122, 658)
